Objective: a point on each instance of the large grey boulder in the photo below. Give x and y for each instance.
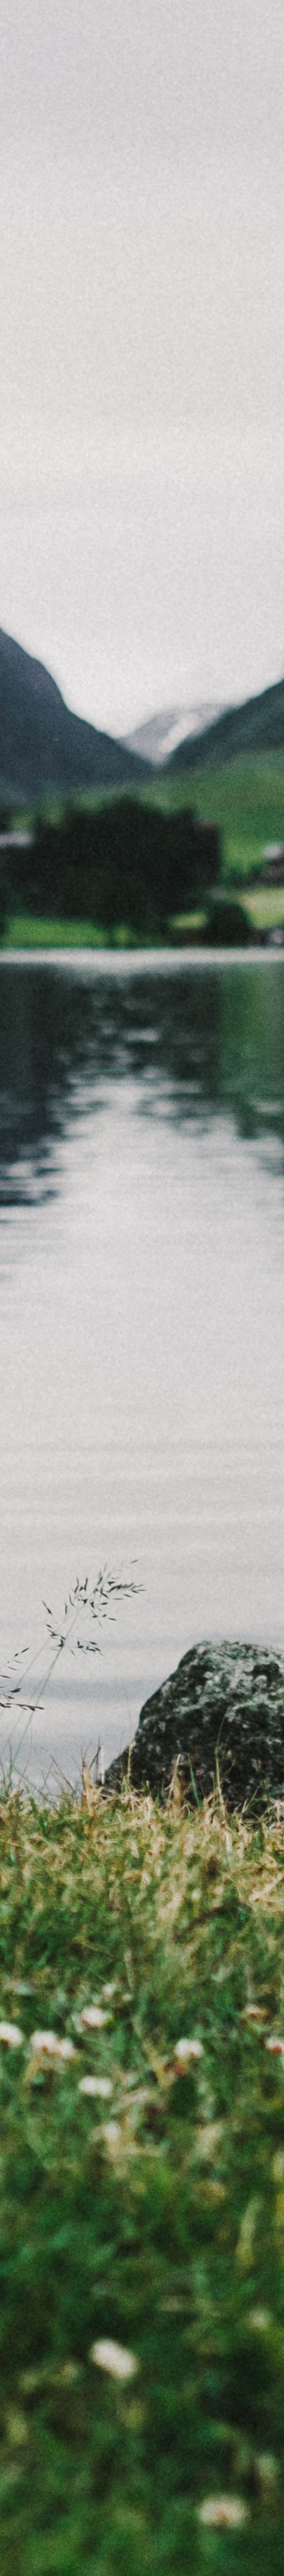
(224, 1706)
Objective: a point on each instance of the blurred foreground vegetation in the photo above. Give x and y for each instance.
(142, 2217)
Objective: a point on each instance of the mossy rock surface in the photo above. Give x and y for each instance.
(223, 1706)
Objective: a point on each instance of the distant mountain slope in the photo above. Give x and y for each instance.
(42, 744)
(257, 726)
(160, 735)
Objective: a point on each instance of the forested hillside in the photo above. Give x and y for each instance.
(257, 726)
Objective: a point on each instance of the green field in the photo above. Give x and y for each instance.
(142, 2189)
(265, 906)
(246, 799)
(26, 930)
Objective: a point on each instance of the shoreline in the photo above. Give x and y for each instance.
(45, 938)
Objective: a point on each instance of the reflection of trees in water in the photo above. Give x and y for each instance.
(252, 1048)
(198, 1042)
(42, 1048)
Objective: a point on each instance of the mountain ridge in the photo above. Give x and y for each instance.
(43, 745)
(257, 725)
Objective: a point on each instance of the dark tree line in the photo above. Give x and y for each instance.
(125, 864)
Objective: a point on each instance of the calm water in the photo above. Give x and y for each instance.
(141, 1317)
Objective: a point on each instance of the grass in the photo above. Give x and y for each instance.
(265, 905)
(244, 797)
(149, 2219)
(184, 923)
(27, 930)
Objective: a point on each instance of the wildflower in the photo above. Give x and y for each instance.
(276, 2047)
(96, 2084)
(10, 2034)
(186, 2048)
(111, 2134)
(114, 2358)
(45, 2043)
(253, 2012)
(65, 2049)
(93, 2017)
(223, 2512)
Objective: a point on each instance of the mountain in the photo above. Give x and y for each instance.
(256, 726)
(42, 744)
(161, 734)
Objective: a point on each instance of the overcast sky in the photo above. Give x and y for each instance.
(142, 346)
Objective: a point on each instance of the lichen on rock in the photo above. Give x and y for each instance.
(221, 1713)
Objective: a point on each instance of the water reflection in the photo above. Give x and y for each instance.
(193, 1039)
(141, 1315)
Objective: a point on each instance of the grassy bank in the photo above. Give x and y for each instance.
(24, 930)
(264, 906)
(142, 2217)
(27, 930)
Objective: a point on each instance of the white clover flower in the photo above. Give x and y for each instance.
(111, 2134)
(92, 2084)
(276, 2047)
(10, 2034)
(93, 2018)
(223, 2512)
(184, 2049)
(45, 2043)
(253, 2012)
(115, 2358)
(65, 2049)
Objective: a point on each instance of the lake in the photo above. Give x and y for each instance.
(141, 1321)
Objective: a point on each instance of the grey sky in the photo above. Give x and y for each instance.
(142, 346)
